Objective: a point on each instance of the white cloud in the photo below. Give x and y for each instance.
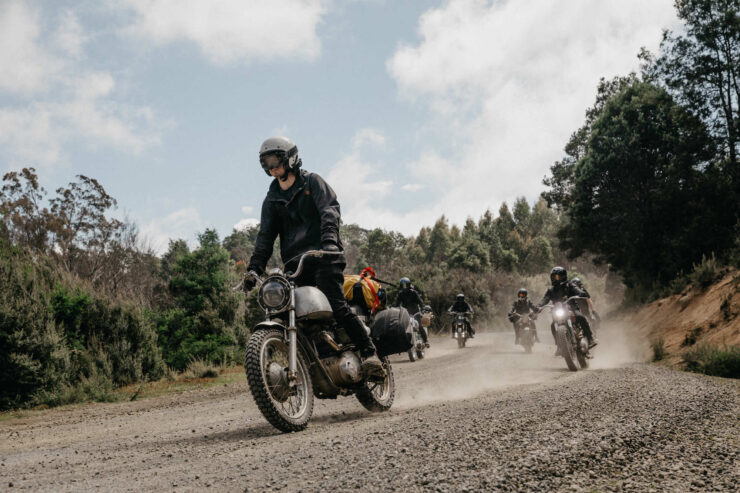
(356, 181)
(508, 82)
(412, 187)
(70, 37)
(368, 137)
(24, 67)
(228, 31)
(181, 223)
(246, 223)
(55, 98)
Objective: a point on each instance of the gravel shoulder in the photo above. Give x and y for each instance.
(483, 418)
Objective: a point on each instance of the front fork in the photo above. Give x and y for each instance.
(292, 339)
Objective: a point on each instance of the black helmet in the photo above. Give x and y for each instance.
(404, 283)
(460, 297)
(426, 309)
(577, 281)
(558, 275)
(285, 149)
(522, 294)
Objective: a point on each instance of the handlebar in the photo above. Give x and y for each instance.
(310, 253)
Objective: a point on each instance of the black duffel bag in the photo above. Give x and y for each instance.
(390, 331)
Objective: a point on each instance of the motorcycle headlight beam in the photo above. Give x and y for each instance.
(559, 313)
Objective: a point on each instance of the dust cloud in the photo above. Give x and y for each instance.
(491, 361)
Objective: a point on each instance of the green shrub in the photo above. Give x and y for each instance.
(33, 353)
(201, 369)
(719, 361)
(658, 347)
(691, 337)
(705, 272)
(677, 285)
(61, 343)
(97, 387)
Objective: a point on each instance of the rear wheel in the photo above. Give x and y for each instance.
(566, 348)
(377, 396)
(286, 407)
(582, 360)
(420, 354)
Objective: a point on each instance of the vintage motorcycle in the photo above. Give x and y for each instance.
(299, 351)
(569, 334)
(523, 325)
(460, 328)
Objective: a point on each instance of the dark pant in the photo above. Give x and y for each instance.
(328, 275)
(422, 329)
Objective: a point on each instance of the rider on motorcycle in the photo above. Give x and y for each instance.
(594, 316)
(302, 209)
(462, 306)
(561, 290)
(523, 306)
(409, 298)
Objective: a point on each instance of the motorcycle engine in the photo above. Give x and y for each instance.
(345, 369)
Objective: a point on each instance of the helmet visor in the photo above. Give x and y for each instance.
(271, 161)
(522, 295)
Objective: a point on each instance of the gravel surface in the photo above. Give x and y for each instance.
(482, 418)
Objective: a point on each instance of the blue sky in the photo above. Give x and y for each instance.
(410, 109)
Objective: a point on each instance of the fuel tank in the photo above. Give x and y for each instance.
(311, 304)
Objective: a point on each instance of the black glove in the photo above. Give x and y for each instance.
(248, 284)
(329, 246)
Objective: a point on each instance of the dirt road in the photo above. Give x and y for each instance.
(483, 418)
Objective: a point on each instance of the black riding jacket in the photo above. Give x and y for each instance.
(305, 217)
(522, 307)
(410, 299)
(560, 292)
(461, 307)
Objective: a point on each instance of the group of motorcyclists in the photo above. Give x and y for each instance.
(561, 289)
(318, 340)
(302, 210)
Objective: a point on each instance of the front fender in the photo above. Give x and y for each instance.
(268, 324)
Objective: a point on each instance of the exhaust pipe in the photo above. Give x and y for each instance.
(330, 341)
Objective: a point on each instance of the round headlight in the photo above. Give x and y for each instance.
(274, 295)
(559, 313)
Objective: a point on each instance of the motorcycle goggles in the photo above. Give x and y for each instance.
(271, 161)
(522, 296)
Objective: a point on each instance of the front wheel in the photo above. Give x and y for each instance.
(286, 407)
(563, 341)
(412, 354)
(377, 396)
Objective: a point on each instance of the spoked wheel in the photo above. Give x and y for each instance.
(287, 407)
(412, 354)
(566, 348)
(377, 395)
